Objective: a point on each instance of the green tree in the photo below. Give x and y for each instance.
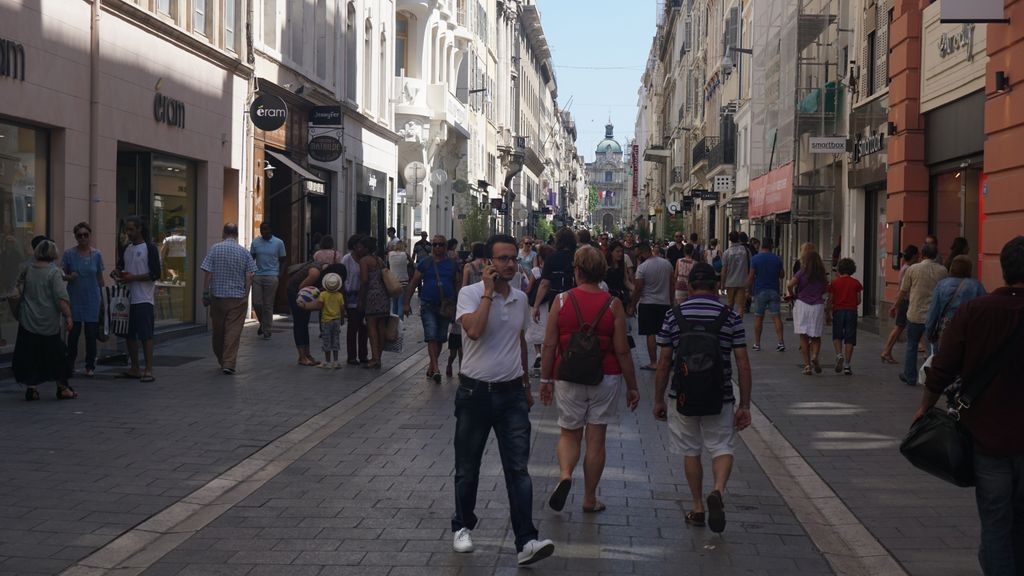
(477, 224)
(543, 230)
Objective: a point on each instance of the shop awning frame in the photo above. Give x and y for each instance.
(295, 167)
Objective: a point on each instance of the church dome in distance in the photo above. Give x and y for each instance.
(608, 144)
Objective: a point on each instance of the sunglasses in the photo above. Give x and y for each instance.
(82, 235)
(438, 244)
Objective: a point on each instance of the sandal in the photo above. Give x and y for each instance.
(595, 509)
(65, 393)
(817, 366)
(31, 394)
(147, 378)
(127, 376)
(888, 359)
(694, 518)
(807, 370)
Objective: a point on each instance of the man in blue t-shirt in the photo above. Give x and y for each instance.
(440, 284)
(763, 281)
(269, 253)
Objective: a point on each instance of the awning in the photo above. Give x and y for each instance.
(305, 174)
(657, 154)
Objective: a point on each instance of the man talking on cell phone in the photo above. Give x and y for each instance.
(494, 392)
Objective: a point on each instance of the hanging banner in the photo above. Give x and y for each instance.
(634, 168)
(957, 11)
(772, 193)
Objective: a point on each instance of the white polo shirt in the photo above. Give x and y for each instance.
(497, 355)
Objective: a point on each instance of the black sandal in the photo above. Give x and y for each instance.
(31, 394)
(65, 393)
(695, 518)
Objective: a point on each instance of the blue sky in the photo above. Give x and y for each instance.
(598, 48)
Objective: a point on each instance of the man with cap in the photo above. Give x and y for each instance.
(691, 435)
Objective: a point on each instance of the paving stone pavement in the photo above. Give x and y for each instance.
(848, 428)
(375, 497)
(76, 474)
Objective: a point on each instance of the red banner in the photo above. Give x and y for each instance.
(772, 193)
(635, 160)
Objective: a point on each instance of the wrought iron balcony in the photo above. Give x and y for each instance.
(723, 152)
(677, 175)
(702, 150)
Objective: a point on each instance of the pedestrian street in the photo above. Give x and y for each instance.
(289, 470)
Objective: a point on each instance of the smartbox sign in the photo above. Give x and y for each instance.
(268, 112)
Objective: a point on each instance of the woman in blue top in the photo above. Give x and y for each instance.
(83, 269)
(950, 293)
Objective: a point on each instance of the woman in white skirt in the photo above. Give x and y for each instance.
(809, 286)
(535, 330)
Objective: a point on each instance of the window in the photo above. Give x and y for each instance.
(382, 106)
(871, 64)
(166, 7)
(199, 16)
(320, 23)
(23, 207)
(295, 43)
(350, 52)
(401, 43)
(270, 24)
(608, 176)
(367, 67)
(888, 52)
(229, 25)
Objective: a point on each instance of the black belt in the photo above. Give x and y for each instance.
(500, 386)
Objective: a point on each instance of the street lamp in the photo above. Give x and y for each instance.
(727, 62)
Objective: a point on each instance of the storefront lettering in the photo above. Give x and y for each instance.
(12, 59)
(950, 43)
(169, 111)
(873, 143)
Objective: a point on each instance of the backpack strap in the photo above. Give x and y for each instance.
(576, 306)
(604, 308)
(719, 322)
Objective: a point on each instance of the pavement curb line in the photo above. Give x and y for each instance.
(845, 542)
(134, 551)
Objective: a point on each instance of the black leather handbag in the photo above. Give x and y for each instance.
(938, 442)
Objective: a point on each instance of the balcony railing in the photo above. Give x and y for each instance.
(723, 152)
(677, 175)
(702, 150)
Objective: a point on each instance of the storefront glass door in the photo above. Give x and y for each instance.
(161, 189)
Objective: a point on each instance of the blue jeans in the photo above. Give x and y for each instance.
(999, 493)
(478, 408)
(915, 332)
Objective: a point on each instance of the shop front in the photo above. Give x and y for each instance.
(24, 195)
(953, 104)
(771, 202)
(372, 194)
(865, 222)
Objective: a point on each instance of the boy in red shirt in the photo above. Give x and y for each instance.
(843, 300)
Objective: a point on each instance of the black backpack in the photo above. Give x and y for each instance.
(699, 375)
(582, 360)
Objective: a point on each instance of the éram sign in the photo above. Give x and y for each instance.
(268, 112)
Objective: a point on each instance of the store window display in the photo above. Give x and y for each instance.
(23, 204)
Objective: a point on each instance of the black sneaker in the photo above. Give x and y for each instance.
(716, 512)
(847, 371)
(781, 347)
(227, 371)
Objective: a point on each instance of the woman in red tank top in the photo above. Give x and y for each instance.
(585, 410)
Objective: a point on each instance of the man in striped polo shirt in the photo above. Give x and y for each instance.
(716, 433)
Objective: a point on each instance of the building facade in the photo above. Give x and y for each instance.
(117, 109)
(607, 179)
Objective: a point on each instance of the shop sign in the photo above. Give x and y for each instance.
(973, 11)
(950, 43)
(772, 193)
(872, 143)
(325, 148)
(697, 192)
(315, 188)
(704, 194)
(12, 59)
(687, 204)
(268, 112)
(168, 111)
(635, 166)
(827, 144)
(325, 116)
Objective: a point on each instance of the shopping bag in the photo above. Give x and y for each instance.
(394, 334)
(941, 446)
(118, 304)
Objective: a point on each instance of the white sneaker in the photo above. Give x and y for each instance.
(463, 542)
(535, 551)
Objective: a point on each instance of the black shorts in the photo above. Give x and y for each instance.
(140, 322)
(650, 318)
(455, 341)
(844, 326)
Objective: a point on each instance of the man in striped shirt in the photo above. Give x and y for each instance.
(716, 433)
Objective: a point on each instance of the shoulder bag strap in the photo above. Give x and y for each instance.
(970, 391)
(949, 302)
(437, 279)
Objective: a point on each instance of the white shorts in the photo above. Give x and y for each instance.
(579, 404)
(808, 319)
(692, 434)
